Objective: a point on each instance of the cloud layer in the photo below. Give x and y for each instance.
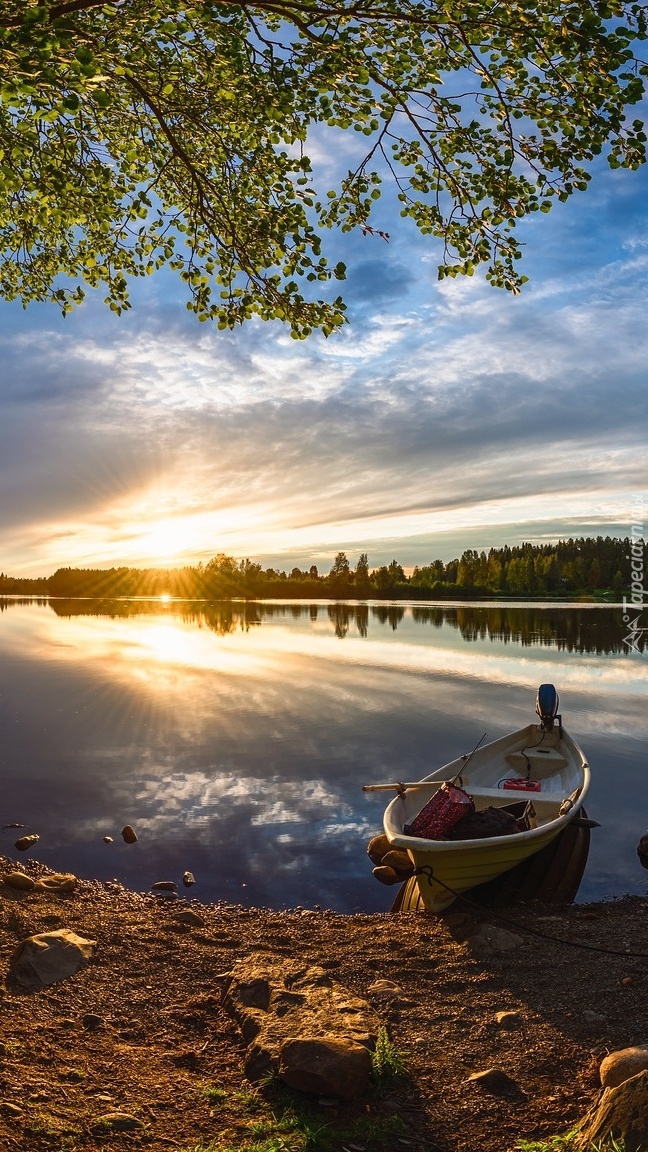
(444, 416)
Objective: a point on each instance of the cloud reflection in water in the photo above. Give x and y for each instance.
(236, 738)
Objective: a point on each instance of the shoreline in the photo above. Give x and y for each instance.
(568, 979)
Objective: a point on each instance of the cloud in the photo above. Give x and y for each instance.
(443, 412)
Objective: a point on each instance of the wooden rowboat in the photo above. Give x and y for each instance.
(539, 764)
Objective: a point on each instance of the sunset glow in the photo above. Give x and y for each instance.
(444, 417)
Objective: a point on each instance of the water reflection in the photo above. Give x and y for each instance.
(236, 736)
(596, 629)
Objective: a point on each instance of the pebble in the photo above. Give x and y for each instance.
(190, 917)
(188, 879)
(164, 886)
(108, 840)
(493, 1080)
(508, 1019)
(115, 1122)
(129, 834)
(591, 1017)
(10, 1109)
(386, 989)
(91, 1021)
(25, 842)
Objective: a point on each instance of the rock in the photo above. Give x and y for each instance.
(10, 1109)
(377, 847)
(91, 1021)
(508, 1019)
(384, 990)
(129, 834)
(164, 886)
(620, 1066)
(108, 840)
(490, 939)
(495, 1081)
(115, 1122)
(399, 861)
(592, 1017)
(19, 880)
(49, 956)
(188, 879)
(327, 1066)
(189, 917)
(642, 850)
(622, 1112)
(386, 875)
(56, 882)
(25, 842)
(275, 999)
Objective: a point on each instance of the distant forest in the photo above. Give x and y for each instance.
(586, 566)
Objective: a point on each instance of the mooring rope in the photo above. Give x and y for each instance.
(427, 870)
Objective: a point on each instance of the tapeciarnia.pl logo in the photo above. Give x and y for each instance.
(633, 639)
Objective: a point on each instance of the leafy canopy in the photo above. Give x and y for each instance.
(139, 133)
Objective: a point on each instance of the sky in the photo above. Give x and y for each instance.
(444, 416)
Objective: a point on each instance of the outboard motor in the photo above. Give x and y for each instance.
(547, 707)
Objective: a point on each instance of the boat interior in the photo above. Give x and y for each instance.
(543, 760)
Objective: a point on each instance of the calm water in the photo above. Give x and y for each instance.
(236, 738)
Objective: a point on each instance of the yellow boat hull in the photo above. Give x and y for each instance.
(558, 779)
(446, 875)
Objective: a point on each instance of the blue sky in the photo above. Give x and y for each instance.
(444, 416)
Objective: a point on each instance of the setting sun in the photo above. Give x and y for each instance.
(165, 539)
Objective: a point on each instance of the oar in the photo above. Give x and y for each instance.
(424, 783)
(398, 786)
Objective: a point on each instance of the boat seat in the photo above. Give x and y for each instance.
(519, 793)
(547, 761)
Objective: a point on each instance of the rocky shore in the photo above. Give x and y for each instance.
(502, 1020)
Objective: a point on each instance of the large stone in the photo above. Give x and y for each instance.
(327, 1066)
(57, 882)
(19, 880)
(274, 1000)
(49, 956)
(620, 1066)
(622, 1112)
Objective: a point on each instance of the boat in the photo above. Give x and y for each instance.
(552, 876)
(532, 781)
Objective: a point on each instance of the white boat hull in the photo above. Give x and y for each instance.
(449, 868)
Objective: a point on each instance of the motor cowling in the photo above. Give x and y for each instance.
(547, 705)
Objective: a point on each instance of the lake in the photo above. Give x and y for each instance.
(236, 738)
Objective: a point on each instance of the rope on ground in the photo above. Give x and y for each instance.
(427, 870)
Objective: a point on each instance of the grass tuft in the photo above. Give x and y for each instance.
(387, 1061)
(567, 1143)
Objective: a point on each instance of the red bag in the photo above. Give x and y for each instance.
(446, 808)
(522, 785)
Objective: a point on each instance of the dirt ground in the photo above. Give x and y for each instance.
(142, 1030)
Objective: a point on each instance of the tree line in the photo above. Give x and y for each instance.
(570, 567)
